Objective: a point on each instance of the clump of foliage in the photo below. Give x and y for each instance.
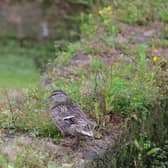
(157, 157)
(139, 11)
(107, 20)
(165, 33)
(163, 13)
(148, 138)
(29, 115)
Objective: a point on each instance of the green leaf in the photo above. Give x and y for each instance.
(136, 143)
(153, 151)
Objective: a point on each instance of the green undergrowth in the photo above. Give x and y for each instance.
(28, 115)
(147, 139)
(140, 11)
(137, 11)
(159, 43)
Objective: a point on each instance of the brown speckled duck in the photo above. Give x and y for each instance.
(67, 116)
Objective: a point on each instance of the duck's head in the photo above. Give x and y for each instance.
(57, 97)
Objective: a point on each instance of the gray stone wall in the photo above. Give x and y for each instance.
(34, 20)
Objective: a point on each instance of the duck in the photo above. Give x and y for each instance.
(68, 116)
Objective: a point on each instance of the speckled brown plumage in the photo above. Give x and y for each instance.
(68, 117)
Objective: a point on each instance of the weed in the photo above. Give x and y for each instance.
(65, 55)
(163, 13)
(128, 92)
(164, 35)
(87, 25)
(30, 117)
(139, 11)
(159, 43)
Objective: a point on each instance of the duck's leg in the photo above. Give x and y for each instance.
(71, 141)
(76, 142)
(66, 139)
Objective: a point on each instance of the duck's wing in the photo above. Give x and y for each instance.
(75, 125)
(60, 111)
(78, 112)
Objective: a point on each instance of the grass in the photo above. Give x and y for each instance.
(150, 11)
(159, 43)
(17, 67)
(20, 67)
(17, 71)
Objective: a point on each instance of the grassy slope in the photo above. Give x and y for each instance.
(137, 94)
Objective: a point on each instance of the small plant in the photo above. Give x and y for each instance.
(139, 11)
(4, 162)
(107, 20)
(30, 117)
(159, 43)
(165, 33)
(158, 157)
(87, 25)
(164, 14)
(133, 15)
(127, 92)
(65, 55)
